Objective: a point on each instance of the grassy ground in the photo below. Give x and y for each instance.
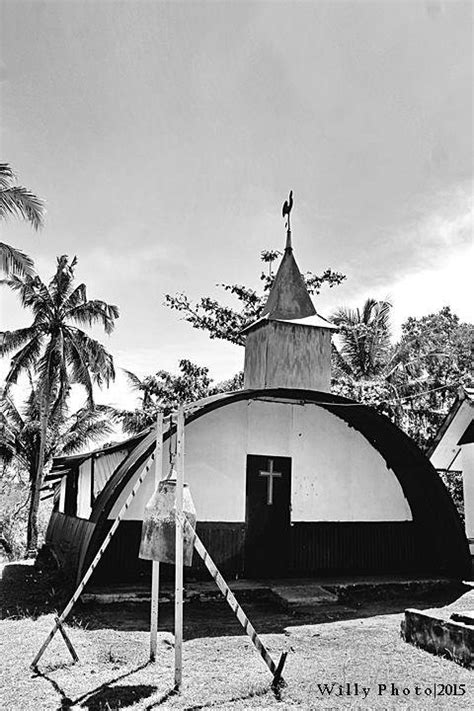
(221, 669)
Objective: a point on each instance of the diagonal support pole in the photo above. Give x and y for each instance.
(275, 670)
(155, 566)
(59, 620)
(178, 597)
(66, 639)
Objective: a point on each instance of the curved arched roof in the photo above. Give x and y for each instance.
(432, 508)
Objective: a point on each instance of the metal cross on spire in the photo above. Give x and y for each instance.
(286, 210)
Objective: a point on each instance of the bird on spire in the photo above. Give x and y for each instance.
(286, 209)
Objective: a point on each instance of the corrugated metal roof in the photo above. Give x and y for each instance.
(431, 506)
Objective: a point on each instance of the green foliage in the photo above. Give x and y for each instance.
(55, 353)
(413, 382)
(226, 323)
(19, 202)
(453, 482)
(166, 391)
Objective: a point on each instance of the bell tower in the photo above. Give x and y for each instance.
(289, 346)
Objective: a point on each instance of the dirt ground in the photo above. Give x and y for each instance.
(353, 650)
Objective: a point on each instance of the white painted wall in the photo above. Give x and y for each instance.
(467, 464)
(84, 490)
(336, 474)
(62, 495)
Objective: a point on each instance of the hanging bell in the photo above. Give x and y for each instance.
(159, 525)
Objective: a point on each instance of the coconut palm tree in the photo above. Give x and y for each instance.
(364, 336)
(20, 431)
(20, 202)
(57, 350)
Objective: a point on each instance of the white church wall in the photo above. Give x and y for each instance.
(84, 487)
(215, 472)
(336, 474)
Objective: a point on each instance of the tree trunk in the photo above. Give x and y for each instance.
(32, 527)
(37, 479)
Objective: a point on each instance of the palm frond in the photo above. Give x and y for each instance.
(6, 175)
(24, 360)
(99, 362)
(133, 379)
(61, 285)
(11, 340)
(10, 412)
(33, 294)
(20, 202)
(78, 362)
(76, 297)
(86, 426)
(14, 261)
(94, 311)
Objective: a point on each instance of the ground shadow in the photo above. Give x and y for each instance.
(211, 619)
(27, 591)
(106, 696)
(118, 697)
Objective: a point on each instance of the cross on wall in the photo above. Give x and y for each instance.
(270, 475)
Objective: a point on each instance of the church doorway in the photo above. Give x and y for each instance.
(268, 501)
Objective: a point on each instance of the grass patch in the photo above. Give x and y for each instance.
(221, 669)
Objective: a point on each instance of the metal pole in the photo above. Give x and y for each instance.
(92, 566)
(155, 566)
(178, 603)
(275, 669)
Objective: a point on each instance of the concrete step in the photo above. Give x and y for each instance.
(292, 594)
(299, 598)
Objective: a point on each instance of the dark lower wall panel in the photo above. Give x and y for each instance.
(315, 549)
(66, 535)
(358, 547)
(120, 562)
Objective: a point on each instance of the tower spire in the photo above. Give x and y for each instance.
(286, 210)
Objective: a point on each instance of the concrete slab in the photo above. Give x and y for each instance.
(446, 631)
(296, 593)
(467, 617)
(300, 597)
(439, 636)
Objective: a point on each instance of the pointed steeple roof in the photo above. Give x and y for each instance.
(289, 299)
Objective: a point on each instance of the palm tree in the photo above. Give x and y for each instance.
(166, 391)
(20, 433)
(19, 202)
(364, 336)
(58, 351)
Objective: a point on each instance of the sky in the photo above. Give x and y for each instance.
(164, 138)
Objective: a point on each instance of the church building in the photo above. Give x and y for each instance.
(287, 479)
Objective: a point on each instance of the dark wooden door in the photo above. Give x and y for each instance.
(268, 500)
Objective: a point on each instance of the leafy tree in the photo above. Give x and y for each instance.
(365, 340)
(20, 202)
(436, 353)
(20, 431)
(165, 391)
(57, 350)
(226, 323)
(414, 381)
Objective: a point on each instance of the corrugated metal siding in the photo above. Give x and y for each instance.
(66, 535)
(104, 467)
(356, 547)
(316, 549)
(224, 541)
